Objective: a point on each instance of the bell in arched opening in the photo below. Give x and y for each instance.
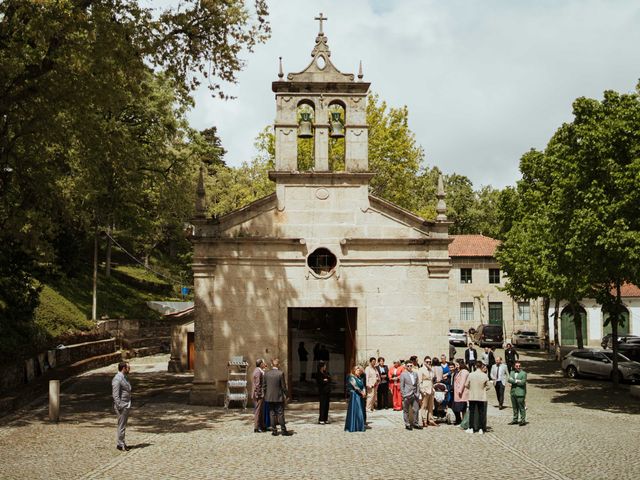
(337, 128)
(305, 128)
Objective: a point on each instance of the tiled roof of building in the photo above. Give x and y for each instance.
(629, 290)
(473, 246)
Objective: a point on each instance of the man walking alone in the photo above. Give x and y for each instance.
(121, 392)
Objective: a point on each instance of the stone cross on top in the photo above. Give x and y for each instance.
(321, 19)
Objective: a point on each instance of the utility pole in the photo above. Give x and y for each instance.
(94, 308)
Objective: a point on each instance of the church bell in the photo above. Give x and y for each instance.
(337, 128)
(305, 129)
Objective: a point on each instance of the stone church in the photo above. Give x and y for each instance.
(321, 265)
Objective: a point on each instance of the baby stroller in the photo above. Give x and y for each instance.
(440, 401)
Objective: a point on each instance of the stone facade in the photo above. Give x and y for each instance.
(472, 297)
(253, 265)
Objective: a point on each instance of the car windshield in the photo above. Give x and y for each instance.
(527, 334)
(456, 330)
(492, 329)
(621, 358)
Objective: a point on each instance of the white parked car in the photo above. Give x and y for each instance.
(457, 336)
(525, 338)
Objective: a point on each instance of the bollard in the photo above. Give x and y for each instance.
(54, 400)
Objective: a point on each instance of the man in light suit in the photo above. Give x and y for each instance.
(257, 394)
(500, 376)
(373, 379)
(518, 381)
(275, 392)
(409, 390)
(478, 383)
(121, 392)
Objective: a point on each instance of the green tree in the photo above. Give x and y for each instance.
(79, 102)
(603, 142)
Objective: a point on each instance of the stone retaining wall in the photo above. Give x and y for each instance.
(24, 372)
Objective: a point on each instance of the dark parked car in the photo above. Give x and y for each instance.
(599, 363)
(606, 340)
(488, 335)
(631, 349)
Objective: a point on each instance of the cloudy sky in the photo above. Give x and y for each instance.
(484, 80)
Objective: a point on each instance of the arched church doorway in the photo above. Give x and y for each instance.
(568, 327)
(325, 334)
(622, 329)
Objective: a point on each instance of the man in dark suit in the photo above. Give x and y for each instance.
(510, 357)
(471, 357)
(276, 394)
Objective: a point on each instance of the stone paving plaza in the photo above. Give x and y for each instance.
(579, 429)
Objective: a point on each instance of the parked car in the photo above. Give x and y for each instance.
(488, 335)
(457, 336)
(599, 363)
(606, 340)
(525, 338)
(630, 349)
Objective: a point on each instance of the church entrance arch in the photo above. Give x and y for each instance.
(568, 327)
(324, 334)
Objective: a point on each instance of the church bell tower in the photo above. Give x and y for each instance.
(320, 102)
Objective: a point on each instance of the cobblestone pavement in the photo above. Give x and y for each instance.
(579, 429)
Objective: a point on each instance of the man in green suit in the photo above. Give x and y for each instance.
(518, 381)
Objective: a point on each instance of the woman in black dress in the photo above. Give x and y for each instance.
(323, 378)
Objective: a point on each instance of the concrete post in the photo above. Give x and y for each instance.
(54, 400)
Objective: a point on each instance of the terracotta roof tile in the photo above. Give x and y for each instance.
(473, 246)
(629, 290)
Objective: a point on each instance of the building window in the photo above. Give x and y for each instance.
(524, 311)
(494, 275)
(495, 313)
(466, 311)
(322, 261)
(465, 275)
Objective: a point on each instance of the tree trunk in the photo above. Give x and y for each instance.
(577, 321)
(556, 333)
(545, 324)
(146, 260)
(94, 307)
(614, 318)
(107, 260)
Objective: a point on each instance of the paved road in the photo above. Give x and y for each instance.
(579, 429)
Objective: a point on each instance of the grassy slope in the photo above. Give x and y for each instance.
(65, 303)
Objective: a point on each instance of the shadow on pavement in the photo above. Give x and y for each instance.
(585, 393)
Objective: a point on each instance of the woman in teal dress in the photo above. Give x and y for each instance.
(357, 394)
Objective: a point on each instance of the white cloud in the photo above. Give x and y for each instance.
(484, 80)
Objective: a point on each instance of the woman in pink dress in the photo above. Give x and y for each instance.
(460, 393)
(394, 382)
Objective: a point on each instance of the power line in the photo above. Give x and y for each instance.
(173, 280)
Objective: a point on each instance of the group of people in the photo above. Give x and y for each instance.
(455, 390)
(436, 387)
